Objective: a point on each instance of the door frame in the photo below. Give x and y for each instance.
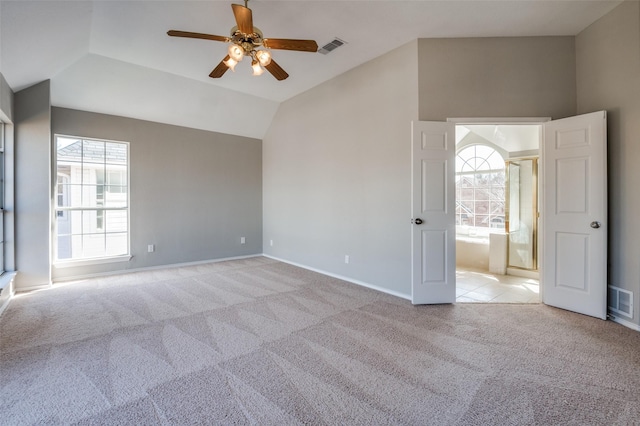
(523, 121)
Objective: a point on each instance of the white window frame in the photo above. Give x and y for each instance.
(72, 262)
(477, 232)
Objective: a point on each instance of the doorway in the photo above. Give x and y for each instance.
(497, 213)
(573, 212)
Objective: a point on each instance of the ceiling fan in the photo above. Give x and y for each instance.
(247, 40)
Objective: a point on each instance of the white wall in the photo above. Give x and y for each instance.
(608, 77)
(336, 174)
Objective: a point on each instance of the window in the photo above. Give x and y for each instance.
(92, 202)
(2, 182)
(480, 190)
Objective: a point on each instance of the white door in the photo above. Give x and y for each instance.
(433, 213)
(574, 214)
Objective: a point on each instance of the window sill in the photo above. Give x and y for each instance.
(61, 264)
(5, 279)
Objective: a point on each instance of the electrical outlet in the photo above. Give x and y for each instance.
(346, 258)
(271, 243)
(242, 240)
(151, 248)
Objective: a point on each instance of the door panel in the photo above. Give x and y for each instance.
(433, 202)
(574, 251)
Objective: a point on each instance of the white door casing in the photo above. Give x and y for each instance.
(574, 215)
(433, 203)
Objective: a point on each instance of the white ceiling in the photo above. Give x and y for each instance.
(510, 138)
(115, 57)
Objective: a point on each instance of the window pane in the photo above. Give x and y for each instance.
(482, 221)
(75, 173)
(481, 207)
(93, 152)
(97, 173)
(64, 246)
(116, 244)
(481, 194)
(63, 224)
(495, 161)
(467, 206)
(116, 153)
(68, 150)
(483, 151)
(116, 196)
(76, 246)
(467, 153)
(76, 222)
(63, 198)
(90, 221)
(90, 196)
(116, 175)
(93, 245)
(116, 221)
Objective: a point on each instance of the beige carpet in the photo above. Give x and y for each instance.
(261, 342)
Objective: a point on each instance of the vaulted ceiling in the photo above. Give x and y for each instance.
(115, 57)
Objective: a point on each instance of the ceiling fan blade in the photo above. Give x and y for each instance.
(176, 33)
(291, 44)
(276, 70)
(220, 69)
(244, 18)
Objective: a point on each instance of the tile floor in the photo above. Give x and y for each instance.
(474, 286)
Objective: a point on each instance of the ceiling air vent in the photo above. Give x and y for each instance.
(332, 45)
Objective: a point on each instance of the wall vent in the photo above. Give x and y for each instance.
(332, 45)
(620, 301)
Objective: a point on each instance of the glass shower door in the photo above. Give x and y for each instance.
(522, 214)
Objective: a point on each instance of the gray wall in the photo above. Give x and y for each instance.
(336, 177)
(193, 193)
(32, 114)
(337, 158)
(6, 100)
(497, 77)
(608, 77)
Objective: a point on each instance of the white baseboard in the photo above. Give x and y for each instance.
(343, 278)
(33, 288)
(623, 322)
(151, 268)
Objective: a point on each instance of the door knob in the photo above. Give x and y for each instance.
(595, 224)
(417, 221)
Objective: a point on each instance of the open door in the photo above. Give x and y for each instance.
(574, 214)
(433, 213)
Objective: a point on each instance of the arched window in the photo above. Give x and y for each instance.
(480, 190)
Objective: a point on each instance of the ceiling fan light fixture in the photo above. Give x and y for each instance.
(231, 63)
(236, 52)
(257, 69)
(264, 57)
